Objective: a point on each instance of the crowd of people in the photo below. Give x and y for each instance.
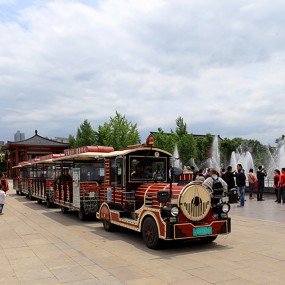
(238, 179)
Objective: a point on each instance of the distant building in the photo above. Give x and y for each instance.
(19, 136)
(60, 139)
(24, 150)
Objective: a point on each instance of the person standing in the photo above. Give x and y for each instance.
(240, 180)
(276, 179)
(261, 173)
(212, 179)
(251, 179)
(229, 178)
(2, 193)
(281, 190)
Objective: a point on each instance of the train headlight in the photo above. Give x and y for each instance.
(226, 208)
(174, 211)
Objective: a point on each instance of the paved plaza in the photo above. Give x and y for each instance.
(43, 246)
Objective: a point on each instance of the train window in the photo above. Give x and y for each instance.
(91, 171)
(49, 172)
(116, 171)
(150, 168)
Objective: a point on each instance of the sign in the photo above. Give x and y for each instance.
(203, 231)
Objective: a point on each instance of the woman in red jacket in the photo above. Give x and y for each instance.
(281, 192)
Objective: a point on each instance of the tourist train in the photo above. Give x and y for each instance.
(136, 188)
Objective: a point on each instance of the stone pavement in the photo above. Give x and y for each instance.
(43, 246)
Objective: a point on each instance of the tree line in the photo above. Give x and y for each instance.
(120, 133)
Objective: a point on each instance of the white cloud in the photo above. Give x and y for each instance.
(219, 65)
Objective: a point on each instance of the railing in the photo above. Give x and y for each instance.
(268, 185)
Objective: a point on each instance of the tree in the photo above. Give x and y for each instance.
(85, 136)
(187, 148)
(181, 127)
(165, 141)
(204, 144)
(118, 133)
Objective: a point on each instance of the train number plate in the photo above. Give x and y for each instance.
(202, 231)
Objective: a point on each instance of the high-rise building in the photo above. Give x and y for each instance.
(19, 136)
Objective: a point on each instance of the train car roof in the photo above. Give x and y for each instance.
(81, 156)
(131, 150)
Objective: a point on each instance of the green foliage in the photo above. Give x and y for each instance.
(181, 128)
(204, 144)
(165, 141)
(85, 136)
(72, 141)
(187, 148)
(118, 133)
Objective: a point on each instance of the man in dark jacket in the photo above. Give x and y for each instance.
(260, 174)
(240, 181)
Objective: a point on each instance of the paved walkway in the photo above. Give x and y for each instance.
(44, 246)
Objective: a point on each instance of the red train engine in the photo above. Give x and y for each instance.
(139, 194)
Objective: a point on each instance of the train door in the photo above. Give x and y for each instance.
(76, 187)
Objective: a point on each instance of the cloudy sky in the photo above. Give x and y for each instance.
(220, 65)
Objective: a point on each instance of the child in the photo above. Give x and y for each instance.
(2, 201)
(2, 192)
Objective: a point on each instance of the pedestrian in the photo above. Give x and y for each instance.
(229, 178)
(7, 183)
(195, 172)
(251, 180)
(2, 193)
(214, 178)
(281, 190)
(3, 183)
(261, 173)
(240, 181)
(222, 173)
(200, 176)
(276, 179)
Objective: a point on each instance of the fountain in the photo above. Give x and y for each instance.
(214, 161)
(276, 160)
(244, 158)
(192, 163)
(175, 160)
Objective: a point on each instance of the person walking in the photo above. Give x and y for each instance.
(276, 179)
(281, 190)
(240, 180)
(261, 173)
(251, 179)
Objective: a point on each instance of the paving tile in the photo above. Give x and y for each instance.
(9, 280)
(43, 246)
(71, 273)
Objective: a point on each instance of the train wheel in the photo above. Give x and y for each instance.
(40, 201)
(108, 226)
(81, 214)
(150, 233)
(49, 204)
(64, 210)
(208, 239)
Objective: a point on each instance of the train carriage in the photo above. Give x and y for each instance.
(22, 182)
(82, 192)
